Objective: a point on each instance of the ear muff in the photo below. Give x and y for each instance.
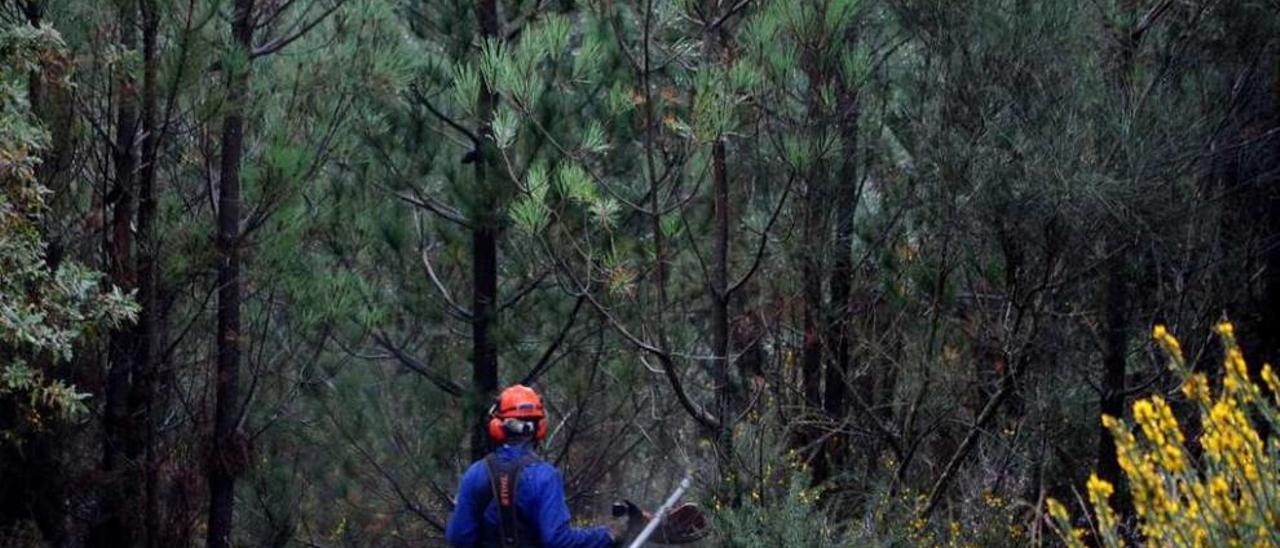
(496, 432)
(541, 433)
(498, 429)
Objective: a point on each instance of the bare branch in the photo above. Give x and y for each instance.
(409, 502)
(1006, 388)
(764, 240)
(456, 308)
(422, 100)
(730, 13)
(445, 212)
(416, 365)
(524, 291)
(545, 360)
(282, 42)
(1149, 19)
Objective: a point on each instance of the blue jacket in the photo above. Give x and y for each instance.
(539, 503)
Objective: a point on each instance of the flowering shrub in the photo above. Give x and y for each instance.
(1229, 496)
(791, 519)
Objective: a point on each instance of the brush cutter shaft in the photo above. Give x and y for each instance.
(661, 513)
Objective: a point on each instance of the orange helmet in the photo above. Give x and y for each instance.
(517, 404)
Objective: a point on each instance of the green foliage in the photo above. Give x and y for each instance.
(574, 183)
(46, 310)
(505, 125)
(466, 87)
(792, 518)
(942, 169)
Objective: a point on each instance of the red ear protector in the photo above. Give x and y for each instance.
(517, 411)
(498, 428)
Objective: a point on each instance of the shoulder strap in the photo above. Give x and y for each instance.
(503, 482)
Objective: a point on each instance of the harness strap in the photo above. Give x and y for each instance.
(503, 484)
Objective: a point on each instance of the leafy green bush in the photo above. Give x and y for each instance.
(44, 310)
(791, 519)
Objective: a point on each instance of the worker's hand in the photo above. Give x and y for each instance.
(618, 530)
(624, 530)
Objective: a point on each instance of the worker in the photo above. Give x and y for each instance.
(511, 498)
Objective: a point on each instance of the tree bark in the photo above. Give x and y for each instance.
(485, 357)
(814, 239)
(142, 395)
(1269, 345)
(814, 233)
(115, 527)
(718, 290)
(1116, 314)
(845, 200)
(226, 451)
(484, 261)
(1113, 363)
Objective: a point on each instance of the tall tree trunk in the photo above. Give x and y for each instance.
(845, 200)
(52, 104)
(814, 234)
(226, 450)
(1116, 315)
(1269, 343)
(33, 10)
(484, 257)
(142, 396)
(115, 527)
(719, 280)
(484, 260)
(1113, 363)
(720, 350)
(1271, 318)
(35, 482)
(813, 243)
(811, 282)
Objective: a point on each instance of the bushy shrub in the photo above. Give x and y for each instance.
(45, 310)
(790, 519)
(1229, 495)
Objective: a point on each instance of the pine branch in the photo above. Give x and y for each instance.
(456, 308)
(284, 41)
(422, 100)
(764, 240)
(416, 365)
(545, 360)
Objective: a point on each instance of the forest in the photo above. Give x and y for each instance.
(870, 272)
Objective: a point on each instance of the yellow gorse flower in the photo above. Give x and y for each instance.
(1167, 341)
(1229, 496)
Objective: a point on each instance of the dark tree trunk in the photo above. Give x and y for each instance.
(1269, 345)
(845, 200)
(718, 293)
(1113, 363)
(812, 248)
(811, 349)
(484, 262)
(115, 526)
(484, 252)
(719, 280)
(226, 451)
(813, 244)
(1116, 305)
(33, 10)
(142, 396)
(52, 104)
